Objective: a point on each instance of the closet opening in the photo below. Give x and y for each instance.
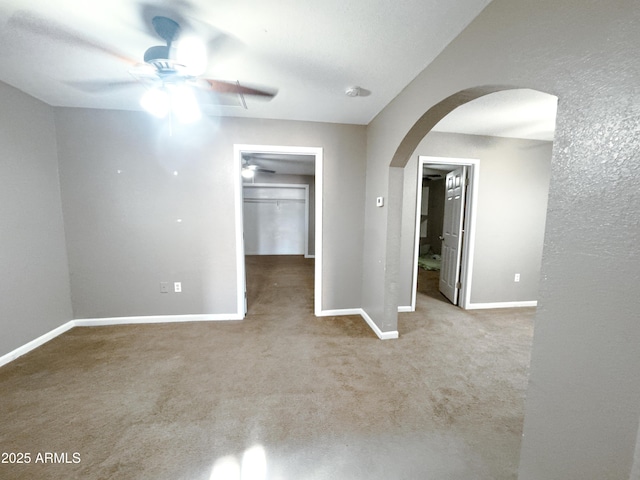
(279, 224)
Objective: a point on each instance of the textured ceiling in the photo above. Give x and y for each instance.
(521, 113)
(310, 51)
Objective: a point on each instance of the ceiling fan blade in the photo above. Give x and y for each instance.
(190, 20)
(149, 11)
(212, 100)
(33, 23)
(264, 170)
(102, 86)
(221, 86)
(223, 46)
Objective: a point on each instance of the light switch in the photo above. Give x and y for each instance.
(379, 201)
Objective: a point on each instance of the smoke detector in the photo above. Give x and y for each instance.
(353, 92)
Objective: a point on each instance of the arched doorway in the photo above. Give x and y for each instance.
(402, 155)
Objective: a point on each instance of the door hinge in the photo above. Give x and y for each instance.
(458, 285)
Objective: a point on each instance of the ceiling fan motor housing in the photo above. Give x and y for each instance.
(160, 52)
(160, 55)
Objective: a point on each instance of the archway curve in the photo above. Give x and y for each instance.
(401, 157)
(436, 113)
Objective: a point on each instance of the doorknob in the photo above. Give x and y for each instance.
(441, 237)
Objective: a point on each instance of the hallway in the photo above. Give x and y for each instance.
(279, 284)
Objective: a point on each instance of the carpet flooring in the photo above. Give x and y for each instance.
(279, 395)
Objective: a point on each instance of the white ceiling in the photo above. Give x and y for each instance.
(311, 51)
(522, 113)
(519, 113)
(284, 164)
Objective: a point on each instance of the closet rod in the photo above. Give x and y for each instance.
(272, 200)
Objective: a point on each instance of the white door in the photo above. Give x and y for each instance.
(452, 233)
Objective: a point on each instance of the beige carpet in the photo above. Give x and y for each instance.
(296, 397)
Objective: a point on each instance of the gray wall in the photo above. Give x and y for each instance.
(512, 207)
(297, 179)
(122, 230)
(34, 291)
(583, 405)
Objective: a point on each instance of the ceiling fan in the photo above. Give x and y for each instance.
(171, 73)
(170, 69)
(249, 169)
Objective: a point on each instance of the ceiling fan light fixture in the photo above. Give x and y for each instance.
(184, 104)
(156, 101)
(248, 172)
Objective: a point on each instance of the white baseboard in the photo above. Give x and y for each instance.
(480, 306)
(405, 309)
(339, 312)
(359, 311)
(41, 340)
(381, 335)
(94, 322)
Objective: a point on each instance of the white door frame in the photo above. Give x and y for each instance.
(469, 227)
(299, 186)
(238, 150)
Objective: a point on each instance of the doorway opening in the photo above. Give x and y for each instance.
(433, 239)
(278, 210)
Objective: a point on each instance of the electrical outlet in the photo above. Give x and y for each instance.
(177, 287)
(164, 287)
(516, 278)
